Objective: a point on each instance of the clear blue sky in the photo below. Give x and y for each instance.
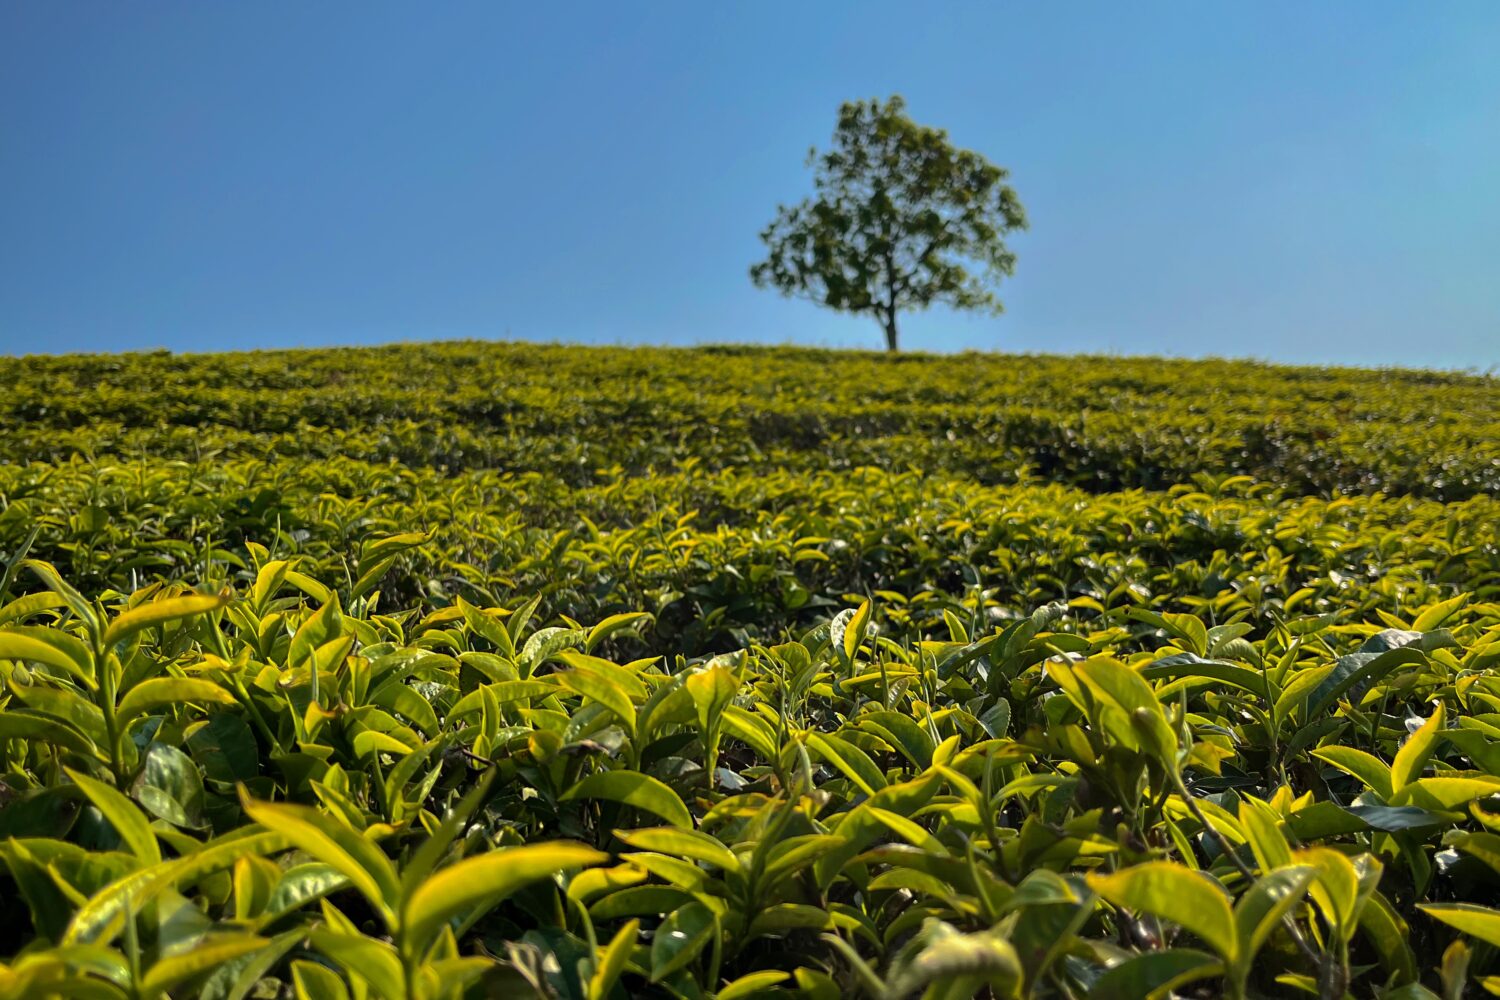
(1310, 182)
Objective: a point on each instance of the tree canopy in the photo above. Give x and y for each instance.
(901, 218)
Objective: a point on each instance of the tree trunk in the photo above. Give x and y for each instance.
(888, 307)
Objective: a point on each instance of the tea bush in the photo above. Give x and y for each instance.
(570, 412)
(482, 670)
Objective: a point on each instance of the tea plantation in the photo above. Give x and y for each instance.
(485, 670)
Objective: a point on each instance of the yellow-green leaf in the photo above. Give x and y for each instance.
(751, 984)
(15, 726)
(1476, 921)
(487, 627)
(1336, 887)
(1366, 767)
(633, 789)
(1302, 684)
(1445, 793)
(1262, 826)
(596, 685)
(1436, 614)
(48, 646)
(168, 692)
(712, 690)
(484, 881)
(683, 843)
(850, 759)
(100, 913)
(612, 962)
(854, 631)
(1189, 899)
(160, 612)
(1413, 755)
(211, 952)
(611, 625)
(680, 938)
(317, 982)
(357, 859)
(364, 958)
(1265, 903)
(129, 822)
(371, 741)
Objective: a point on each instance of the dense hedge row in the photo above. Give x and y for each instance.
(727, 558)
(1097, 423)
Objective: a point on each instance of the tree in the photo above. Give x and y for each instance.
(901, 219)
